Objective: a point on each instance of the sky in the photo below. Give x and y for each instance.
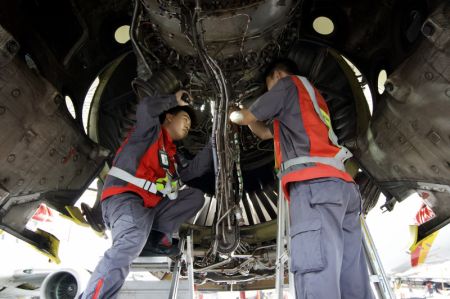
(390, 230)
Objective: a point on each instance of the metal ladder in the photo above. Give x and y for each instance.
(283, 247)
(376, 271)
(144, 289)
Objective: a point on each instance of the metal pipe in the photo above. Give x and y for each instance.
(220, 138)
(230, 271)
(280, 244)
(223, 109)
(383, 288)
(197, 5)
(215, 244)
(221, 218)
(263, 247)
(176, 273)
(233, 280)
(224, 262)
(217, 149)
(133, 36)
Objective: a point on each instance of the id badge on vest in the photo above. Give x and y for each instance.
(164, 160)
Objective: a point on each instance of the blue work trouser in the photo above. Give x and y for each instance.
(327, 257)
(130, 224)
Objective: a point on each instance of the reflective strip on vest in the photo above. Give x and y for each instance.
(338, 160)
(324, 117)
(163, 186)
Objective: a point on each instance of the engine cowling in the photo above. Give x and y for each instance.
(65, 283)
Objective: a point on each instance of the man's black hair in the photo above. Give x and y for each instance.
(175, 110)
(281, 64)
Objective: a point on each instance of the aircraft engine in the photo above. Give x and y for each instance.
(65, 283)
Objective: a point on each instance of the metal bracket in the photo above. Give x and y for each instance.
(8, 47)
(389, 205)
(3, 195)
(433, 187)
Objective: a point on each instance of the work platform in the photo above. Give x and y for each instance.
(182, 288)
(172, 289)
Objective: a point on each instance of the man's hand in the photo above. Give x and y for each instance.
(183, 98)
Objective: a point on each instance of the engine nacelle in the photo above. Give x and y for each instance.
(65, 283)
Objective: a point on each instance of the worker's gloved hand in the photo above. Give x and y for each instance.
(183, 98)
(233, 113)
(236, 117)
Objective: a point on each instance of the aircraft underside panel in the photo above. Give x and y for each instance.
(45, 156)
(407, 147)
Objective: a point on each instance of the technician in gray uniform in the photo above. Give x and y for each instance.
(326, 244)
(142, 195)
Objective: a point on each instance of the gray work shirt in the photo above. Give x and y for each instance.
(301, 131)
(282, 103)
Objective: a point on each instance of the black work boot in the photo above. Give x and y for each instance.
(160, 244)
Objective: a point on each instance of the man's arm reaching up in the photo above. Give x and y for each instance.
(261, 130)
(267, 107)
(201, 164)
(245, 117)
